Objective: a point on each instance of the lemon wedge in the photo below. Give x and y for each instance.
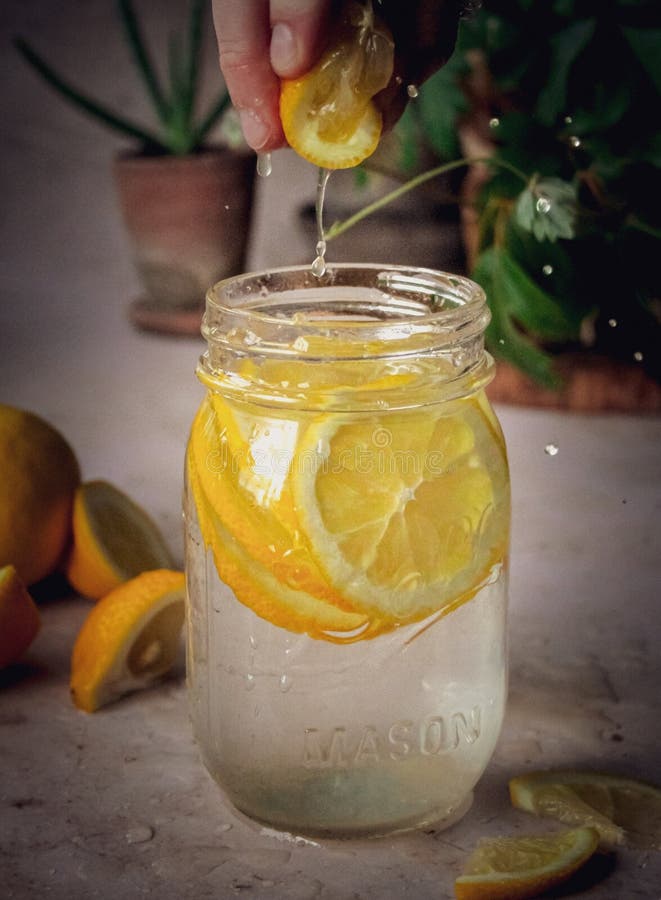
(129, 639)
(113, 540)
(523, 867)
(623, 810)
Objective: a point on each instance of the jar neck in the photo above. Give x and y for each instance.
(373, 335)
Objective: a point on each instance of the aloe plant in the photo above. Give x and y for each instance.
(180, 131)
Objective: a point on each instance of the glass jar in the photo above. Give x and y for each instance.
(347, 522)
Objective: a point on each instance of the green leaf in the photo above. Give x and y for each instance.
(607, 107)
(566, 45)
(193, 55)
(503, 338)
(407, 134)
(538, 312)
(646, 45)
(141, 58)
(547, 208)
(440, 102)
(83, 101)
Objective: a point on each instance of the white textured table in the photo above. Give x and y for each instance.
(117, 805)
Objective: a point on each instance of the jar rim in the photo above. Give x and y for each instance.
(393, 316)
(453, 301)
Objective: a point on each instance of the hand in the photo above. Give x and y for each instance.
(260, 42)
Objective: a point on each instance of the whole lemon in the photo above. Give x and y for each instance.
(38, 476)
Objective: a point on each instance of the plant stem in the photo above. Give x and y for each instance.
(339, 228)
(639, 225)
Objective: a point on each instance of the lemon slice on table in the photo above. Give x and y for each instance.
(19, 617)
(113, 540)
(328, 115)
(623, 810)
(522, 867)
(261, 590)
(405, 513)
(129, 639)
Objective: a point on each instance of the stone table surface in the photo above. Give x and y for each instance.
(118, 805)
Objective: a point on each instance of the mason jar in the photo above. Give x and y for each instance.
(347, 522)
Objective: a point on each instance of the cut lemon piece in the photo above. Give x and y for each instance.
(260, 589)
(242, 469)
(517, 868)
(129, 639)
(113, 540)
(623, 810)
(19, 617)
(328, 115)
(405, 513)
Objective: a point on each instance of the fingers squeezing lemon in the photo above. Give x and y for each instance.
(328, 115)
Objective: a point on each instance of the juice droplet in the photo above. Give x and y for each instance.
(575, 142)
(547, 269)
(551, 449)
(412, 91)
(638, 356)
(264, 166)
(319, 264)
(612, 323)
(494, 122)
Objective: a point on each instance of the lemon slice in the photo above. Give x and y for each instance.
(623, 810)
(405, 513)
(242, 463)
(260, 589)
(113, 540)
(129, 639)
(19, 617)
(517, 868)
(328, 115)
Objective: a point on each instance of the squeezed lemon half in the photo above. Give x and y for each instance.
(328, 115)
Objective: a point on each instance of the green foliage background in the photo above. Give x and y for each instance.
(570, 225)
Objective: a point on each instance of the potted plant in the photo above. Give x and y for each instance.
(186, 204)
(550, 107)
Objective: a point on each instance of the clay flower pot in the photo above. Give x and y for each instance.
(188, 220)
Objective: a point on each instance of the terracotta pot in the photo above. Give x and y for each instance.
(188, 220)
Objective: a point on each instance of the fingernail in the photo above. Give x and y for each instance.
(255, 130)
(284, 55)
